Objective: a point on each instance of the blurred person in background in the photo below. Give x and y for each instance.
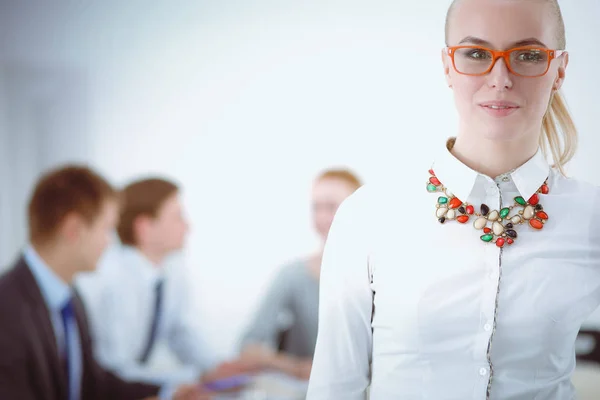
(283, 332)
(137, 302)
(46, 346)
(469, 277)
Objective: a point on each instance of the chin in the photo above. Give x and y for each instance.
(502, 131)
(91, 267)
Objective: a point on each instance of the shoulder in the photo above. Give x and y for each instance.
(10, 285)
(578, 192)
(13, 304)
(291, 272)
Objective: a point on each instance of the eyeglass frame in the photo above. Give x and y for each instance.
(505, 55)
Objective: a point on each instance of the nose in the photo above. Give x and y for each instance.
(500, 76)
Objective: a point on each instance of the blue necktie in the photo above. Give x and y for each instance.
(69, 321)
(158, 295)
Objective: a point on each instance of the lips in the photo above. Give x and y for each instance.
(499, 105)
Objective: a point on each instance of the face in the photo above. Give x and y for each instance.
(166, 232)
(500, 105)
(92, 239)
(327, 195)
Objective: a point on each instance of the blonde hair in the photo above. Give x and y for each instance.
(342, 174)
(558, 132)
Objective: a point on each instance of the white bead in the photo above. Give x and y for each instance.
(528, 212)
(480, 223)
(516, 219)
(441, 212)
(493, 215)
(498, 228)
(451, 214)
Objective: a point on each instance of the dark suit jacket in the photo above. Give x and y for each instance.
(30, 368)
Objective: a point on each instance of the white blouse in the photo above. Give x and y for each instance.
(418, 309)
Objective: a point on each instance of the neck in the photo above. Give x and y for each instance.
(156, 257)
(59, 261)
(493, 158)
(314, 263)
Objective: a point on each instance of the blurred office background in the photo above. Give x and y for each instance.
(243, 103)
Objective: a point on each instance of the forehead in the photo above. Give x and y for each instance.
(171, 204)
(332, 187)
(503, 22)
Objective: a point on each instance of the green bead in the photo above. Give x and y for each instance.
(442, 200)
(487, 238)
(520, 200)
(431, 187)
(504, 212)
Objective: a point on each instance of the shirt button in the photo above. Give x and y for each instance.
(505, 179)
(487, 327)
(482, 371)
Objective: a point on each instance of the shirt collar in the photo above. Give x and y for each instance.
(55, 291)
(137, 261)
(460, 179)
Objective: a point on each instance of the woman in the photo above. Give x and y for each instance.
(283, 332)
(474, 284)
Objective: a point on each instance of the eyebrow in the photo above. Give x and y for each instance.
(525, 42)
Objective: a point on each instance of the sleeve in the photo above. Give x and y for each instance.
(187, 338)
(341, 366)
(269, 320)
(15, 382)
(110, 386)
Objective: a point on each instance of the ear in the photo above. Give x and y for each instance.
(446, 61)
(562, 71)
(71, 227)
(141, 225)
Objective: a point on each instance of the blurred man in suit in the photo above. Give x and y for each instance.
(45, 345)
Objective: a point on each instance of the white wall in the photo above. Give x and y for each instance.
(43, 124)
(245, 103)
(5, 207)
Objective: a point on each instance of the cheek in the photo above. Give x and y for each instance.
(465, 90)
(537, 94)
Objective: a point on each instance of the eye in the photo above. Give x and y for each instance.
(530, 56)
(478, 54)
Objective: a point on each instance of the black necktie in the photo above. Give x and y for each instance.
(158, 294)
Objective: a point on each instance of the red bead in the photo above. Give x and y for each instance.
(545, 189)
(470, 210)
(536, 223)
(486, 230)
(455, 203)
(541, 215)
(435, 181)
(534, 200)
(500, 242)
(509, 241)
(431, 172)
(463, 219)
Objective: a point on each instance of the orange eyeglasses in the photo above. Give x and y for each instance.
(522, 61)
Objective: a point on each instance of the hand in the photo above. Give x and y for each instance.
(302, 369)
(258, 357)
(191, 392)
(228, 369)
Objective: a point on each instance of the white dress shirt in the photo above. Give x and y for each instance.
(120, 300)
(417, 309)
